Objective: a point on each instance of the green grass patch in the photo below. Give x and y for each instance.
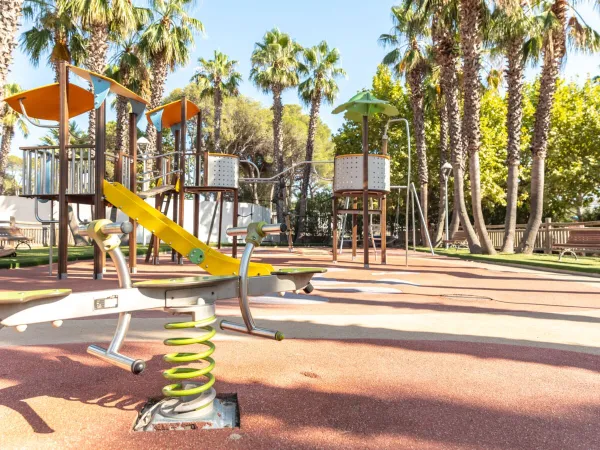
(39, 256)
(583, 264)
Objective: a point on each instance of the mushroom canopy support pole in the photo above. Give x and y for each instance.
(365, 145)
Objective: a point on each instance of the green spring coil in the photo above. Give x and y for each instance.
(190, 373)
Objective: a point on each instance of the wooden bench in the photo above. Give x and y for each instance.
(458, 240)
(13, 234)
(580, 239)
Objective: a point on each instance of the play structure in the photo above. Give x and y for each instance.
(72, 174)
(366, 177)
(189, 396)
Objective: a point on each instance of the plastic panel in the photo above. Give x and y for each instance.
(349, 173)
(223, 171)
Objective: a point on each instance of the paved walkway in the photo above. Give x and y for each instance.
(442, 354)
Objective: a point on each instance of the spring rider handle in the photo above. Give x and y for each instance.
(105, 234)
(255, 232)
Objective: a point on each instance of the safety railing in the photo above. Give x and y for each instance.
(169, 165)
(41, 170)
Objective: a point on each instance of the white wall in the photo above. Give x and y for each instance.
(23, 211)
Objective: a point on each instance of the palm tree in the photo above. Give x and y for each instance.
(11, 120)
(320, 67)
(445, 38)
(513, 34)
(412, 60)
(76, 136)
(217, 78)
(103, 18)
(562, 21)
(54, 33)
(167, 43)
(471, 23)
(130, 70)
(274, 69)
(9, 25)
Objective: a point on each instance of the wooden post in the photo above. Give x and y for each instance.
(354, 228)
(174, 180)
(236, 206)
(133, 188)
(221, 201)
(197, 174)
(548, 232)
(63, 178)
(365, 144)
(383, 227)
(182, 133)
(334, 228)
(159, 198)
(99, 207)
(154, 240)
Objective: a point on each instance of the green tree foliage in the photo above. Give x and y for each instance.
(573, 166)
(247, 131)
(573, 171)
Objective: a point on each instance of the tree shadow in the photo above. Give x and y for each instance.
(400, 415)
(67, 378)
(441, 307)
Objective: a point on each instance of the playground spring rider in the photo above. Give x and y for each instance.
(190, 397)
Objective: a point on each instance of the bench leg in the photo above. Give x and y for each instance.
(567, 250)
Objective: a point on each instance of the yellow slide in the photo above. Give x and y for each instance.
(213, 261)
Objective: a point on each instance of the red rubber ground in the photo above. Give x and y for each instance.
(474, 357)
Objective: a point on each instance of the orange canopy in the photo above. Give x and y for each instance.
(172, 112)
(43, 103)
(115, 87)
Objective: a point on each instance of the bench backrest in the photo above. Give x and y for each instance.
(11, 232)
(460, 235)
(583, 236)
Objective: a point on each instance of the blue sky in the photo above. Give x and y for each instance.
(233, 26)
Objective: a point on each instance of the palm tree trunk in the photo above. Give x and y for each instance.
(159, 76)
(450, 88)
(278, 150)
(447, 57)
(96, 62)
(9, 26)
(415, 80)
(514, 120)
(8, 133)
(554, 51)
(443, 159)
(218, 102)
(121, 135)
(310, 148)
(471, 37)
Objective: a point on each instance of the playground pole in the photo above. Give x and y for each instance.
(197, 175)
(365, 144)
(63, 178)
(133, 188)
(99, 208)
(182, 135)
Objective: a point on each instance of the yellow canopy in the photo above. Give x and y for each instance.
(115, 87)
(172, 112)
(43, 103)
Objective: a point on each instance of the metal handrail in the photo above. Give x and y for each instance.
(146, 157)
(276, 176)
(162, 175)
(55, 147)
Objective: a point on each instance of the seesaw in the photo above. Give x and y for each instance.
(191, 396)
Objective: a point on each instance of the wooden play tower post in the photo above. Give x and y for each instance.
(63, 176)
